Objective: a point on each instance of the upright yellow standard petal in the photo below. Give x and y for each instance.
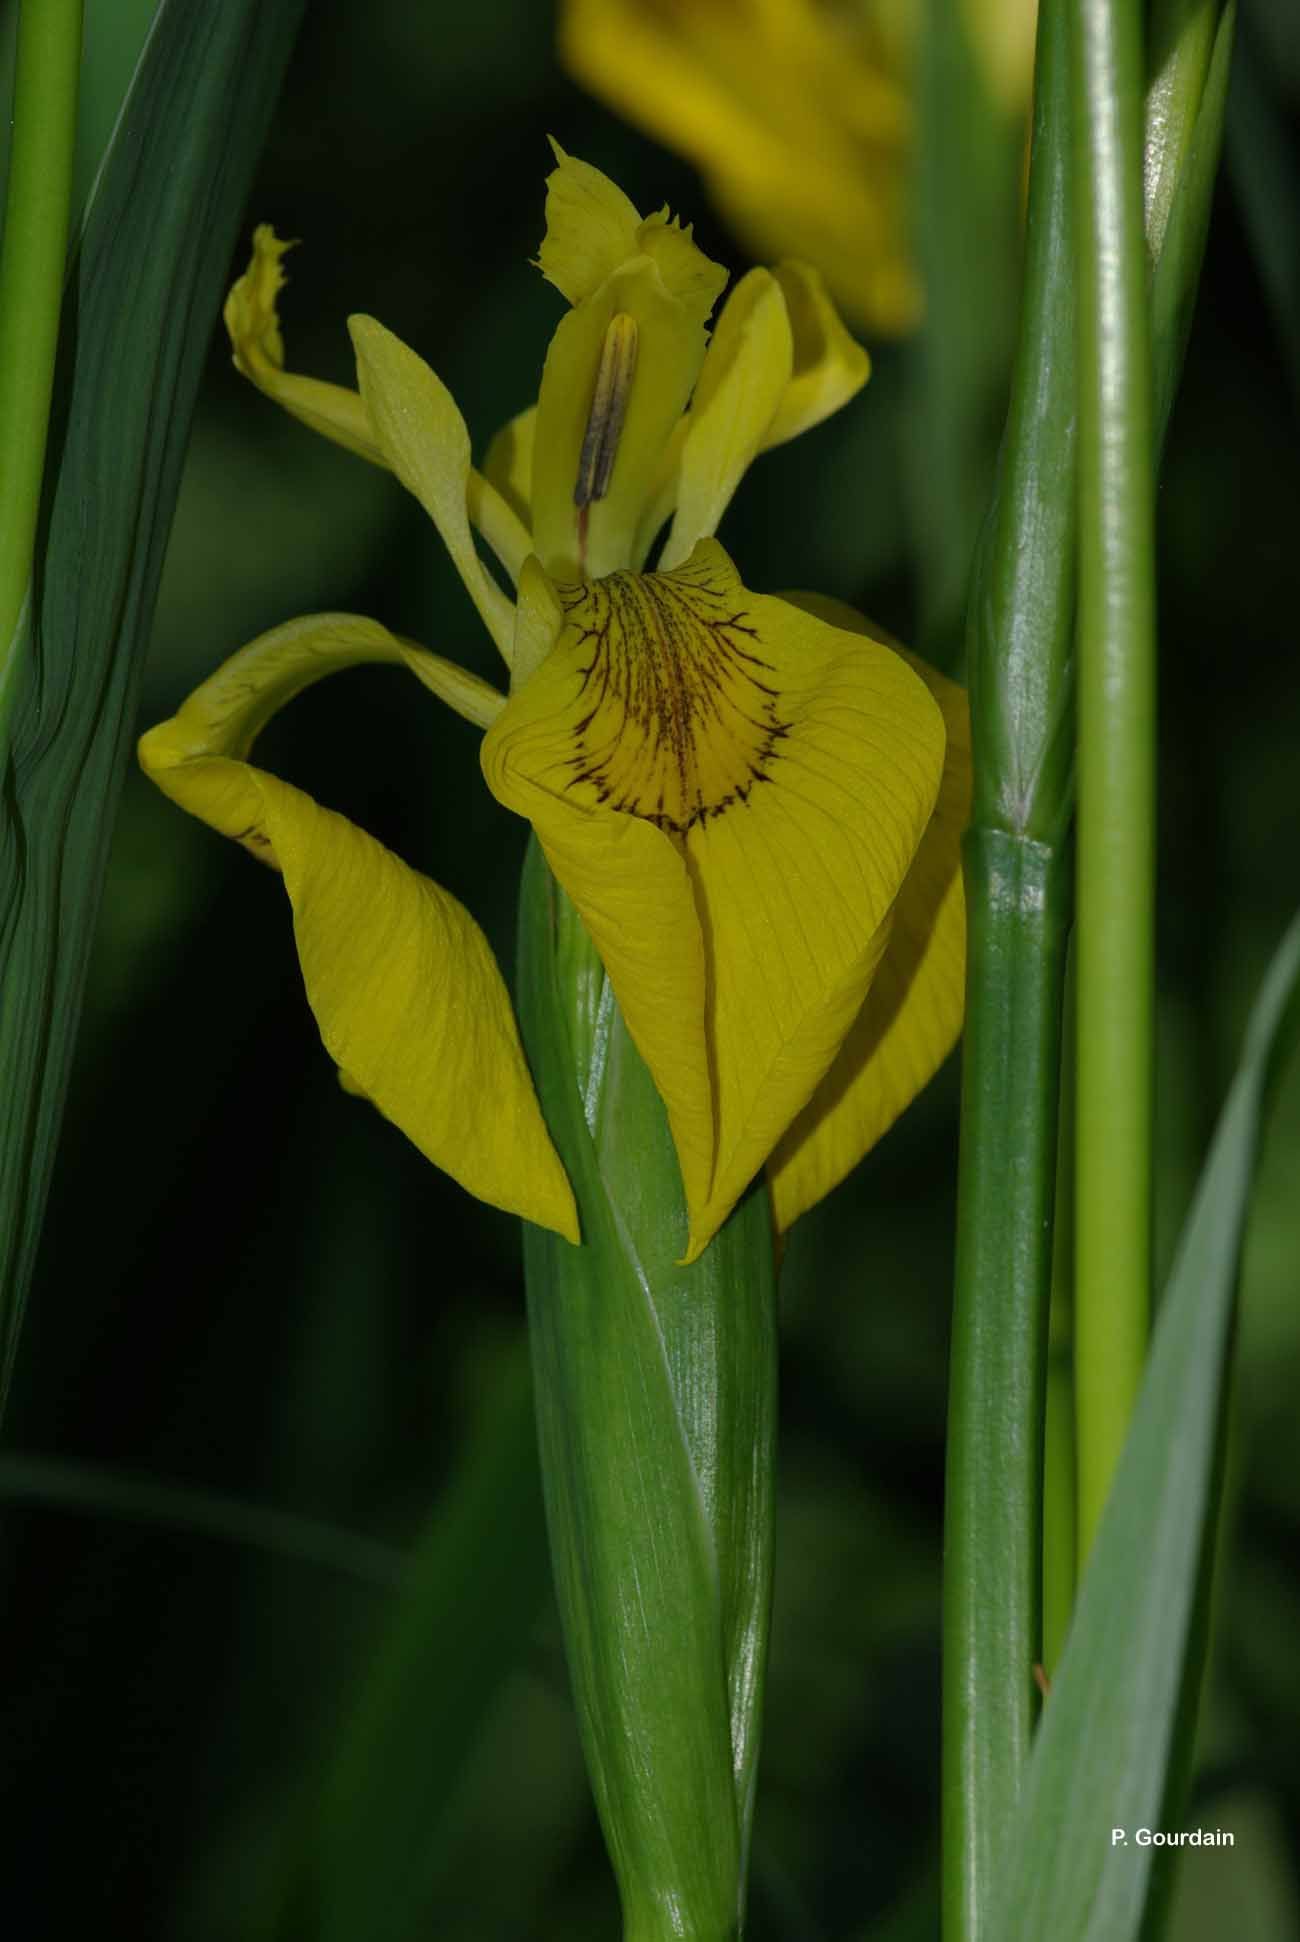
(732, 793)
(913, 1011)
(403, 984)
(591, 227)
(253, 326)
(423, 438)
(746, 374)
(619, 370)
(579, 535)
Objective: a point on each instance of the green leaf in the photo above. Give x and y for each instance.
(656, 1403)
(144, 287)
(1102, 1750)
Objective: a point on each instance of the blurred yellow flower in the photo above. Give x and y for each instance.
(800, 114)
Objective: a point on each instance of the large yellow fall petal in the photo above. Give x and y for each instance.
(913, 1011)
(423, 438)
(403, 984)
(767, 778)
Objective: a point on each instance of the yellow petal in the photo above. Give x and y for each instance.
(423, 438)
(798, 115)
(913, 1012)
(539, 618)
(403, 984)
(830, 367)
(591, 227)
(745, 375)
(253, 325)
(508, 466)
(731, 792)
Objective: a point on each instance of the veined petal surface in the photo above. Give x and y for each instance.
(913, 1011)
(768, 777)
(403, 984)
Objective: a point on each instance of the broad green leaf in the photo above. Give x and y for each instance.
(145, 284)
(1102, 1751)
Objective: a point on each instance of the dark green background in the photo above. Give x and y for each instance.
(253, 1289)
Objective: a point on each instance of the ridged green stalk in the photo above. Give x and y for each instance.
(1020, 648)
(1117, 683)
(656, 1401)
(1021, 644)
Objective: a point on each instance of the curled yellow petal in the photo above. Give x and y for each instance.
(913, 1011)
(732, 793)
(830, 366)
(252, 322)
(423, 438)
(403, 984)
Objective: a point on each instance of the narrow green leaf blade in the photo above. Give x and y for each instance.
(144, 288)
(1100, 1758)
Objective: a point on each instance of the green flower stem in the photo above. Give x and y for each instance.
(32, 266)
(1017, 889)
(656, 1400)
(1116, 815)
(1021, 654)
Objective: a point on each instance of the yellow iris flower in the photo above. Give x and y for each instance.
(800, 114)
(755, 806)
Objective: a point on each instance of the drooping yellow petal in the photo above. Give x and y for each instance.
(403, 984)
(767, 778)
(913, 1011)
(798, 113)
(830, 367)
(253, 325)
(746, 373)
(423, 438)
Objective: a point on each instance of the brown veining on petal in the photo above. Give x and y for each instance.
(679, 718)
